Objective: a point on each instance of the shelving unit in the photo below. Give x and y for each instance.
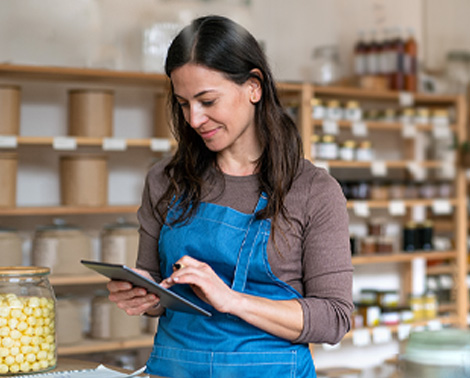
(301, 93)
(456, 312)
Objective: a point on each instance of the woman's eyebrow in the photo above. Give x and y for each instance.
(197, 94)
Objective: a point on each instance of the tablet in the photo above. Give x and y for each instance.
(168, 298)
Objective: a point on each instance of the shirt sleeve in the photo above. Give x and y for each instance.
(150, 225)
(327, 268)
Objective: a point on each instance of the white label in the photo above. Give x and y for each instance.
(114, 144)
(396, 208)
(408, 130)
(381, 335)
(434, 325)
(361, 208)
(403, 331)
(418, 276)
(418, 172)
(361, 337)
(378, 168)
(359, 129)
(160, 144)
(322, 164)
(406, 99)
(8, 141)
(441, 206)
(64, 143)
(419, 214)
(330, 127)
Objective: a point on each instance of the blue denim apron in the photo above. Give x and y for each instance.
(188, 345)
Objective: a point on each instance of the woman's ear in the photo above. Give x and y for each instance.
(254, 83)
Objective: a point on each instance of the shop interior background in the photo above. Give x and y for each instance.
(111, 34)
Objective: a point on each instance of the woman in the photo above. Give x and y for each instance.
(238, 222)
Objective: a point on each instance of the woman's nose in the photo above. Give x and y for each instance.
(197, 116)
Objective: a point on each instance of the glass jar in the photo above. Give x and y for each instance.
(364, 151)
(422, 116)
(120, 242)
(11, 244)
(326, 65)
(27, 321)
(318, 110)
(352, 112)
(435, 354)
(333, 110)
(328, 148)
(347, 150)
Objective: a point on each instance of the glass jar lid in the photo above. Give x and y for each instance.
(12, 271)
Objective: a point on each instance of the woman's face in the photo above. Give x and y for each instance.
(219, 110)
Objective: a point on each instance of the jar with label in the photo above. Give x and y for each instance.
(427, 190)
(422, 116)
(425, 235)
(347, 150)
(107, 320)
(369, 245)
(69, 321)
(318, 110)
(60, 247)
(370, 314)
(27, 303)
(385, 244)
(388, 298)
(376, 227)
(361, 190)
(445, 189)
(119, 243)
(11, 247)
(328, 148)
(364, 151)
(389, 115)
(407, 115)
(353, 112)
(396, 190)
(379, 191)
(368, 297)
(430, 305)
(440, 116)
(333, 110)
(417, 306)
(410, 237)
(389, 316)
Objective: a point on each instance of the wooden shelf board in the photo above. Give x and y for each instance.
(96, 346)
(403, 257)
(391, 164)
(50, 73)
(81, 141)
(85, 279)
(408, 203)
(359, 93)
(65, 210)
(380, 125)
(394, 329)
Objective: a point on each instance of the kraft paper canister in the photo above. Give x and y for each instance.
(8, 174)
(90, 113)
(11, 247)
(84, 180)
(10, 100)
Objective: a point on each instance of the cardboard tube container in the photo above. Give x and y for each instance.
(8, 173)
(91, 113)
(84, 180)
(10, 99)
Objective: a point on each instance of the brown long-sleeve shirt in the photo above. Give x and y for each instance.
(312, 254)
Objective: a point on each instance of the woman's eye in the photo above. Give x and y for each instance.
(183, 104)
(207, 103)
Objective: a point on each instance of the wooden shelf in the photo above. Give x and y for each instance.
(66, 210)
(84, 141)
(375, 204)
(359, 93)
(100, 76)
(97, 346)
(403, 257)
(394, 329)
(391, 164)
(85, 279)
(381, 125)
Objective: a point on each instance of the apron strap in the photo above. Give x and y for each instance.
(254, 228)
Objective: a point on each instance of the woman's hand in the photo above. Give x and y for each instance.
(205, 283)
(133, 300)
(283, 318)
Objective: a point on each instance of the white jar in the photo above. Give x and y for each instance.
(334, 111)
(352, 112)
(364, 152)
(119, 243)
(328, 148)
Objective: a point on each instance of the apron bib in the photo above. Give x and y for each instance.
(187, 345)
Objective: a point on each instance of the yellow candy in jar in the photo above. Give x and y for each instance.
(27, 323)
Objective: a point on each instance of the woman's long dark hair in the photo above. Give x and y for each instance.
(220, 44)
